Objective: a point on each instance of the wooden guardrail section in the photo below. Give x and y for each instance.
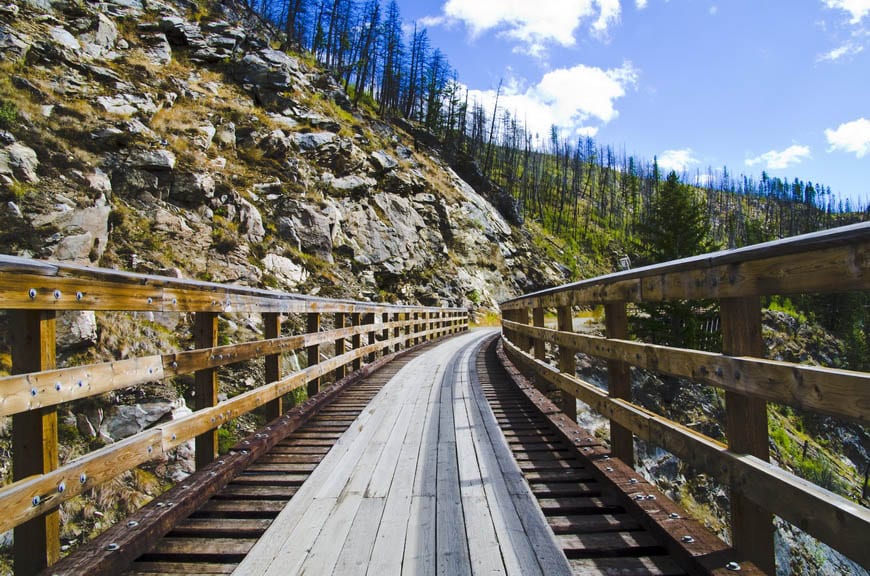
(826, 262)
(33, 292)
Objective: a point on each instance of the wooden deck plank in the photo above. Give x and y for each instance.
(409, 487)
(356, 553)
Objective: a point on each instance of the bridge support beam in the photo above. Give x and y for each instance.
(746, 426)
(205, 335)
(34, 438)
(567, 359)
(272, 329)
(619, 382)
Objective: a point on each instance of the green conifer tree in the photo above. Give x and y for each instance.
(678, 226)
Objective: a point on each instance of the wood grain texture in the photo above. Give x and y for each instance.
(829, 391)
(832, 519)
(619, 381)
(34, 438)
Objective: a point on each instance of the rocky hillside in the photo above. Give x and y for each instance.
(174, 138)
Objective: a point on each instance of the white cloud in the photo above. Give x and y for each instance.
(856, 8)
(534, 24)
(574, 99)
(641, 4)
(677, 160)
(781, 159)
(853, 137)
(714, 10)
(847, 49)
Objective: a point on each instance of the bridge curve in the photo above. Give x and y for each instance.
(542, 494)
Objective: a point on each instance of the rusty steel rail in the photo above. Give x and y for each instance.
(33, 292)
(826, 262)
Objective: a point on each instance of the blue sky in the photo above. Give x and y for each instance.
(775, 85)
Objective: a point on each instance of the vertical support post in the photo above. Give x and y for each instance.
(385, 317)
(619, 381)
(540, 345)
(272, 329)
(416, 316)
(313, 351)
(34, 438)
(205, 335)
(746, 429)
(567, 360)
(397, 346)
(356, 340)
(370, 319)
(339, 344)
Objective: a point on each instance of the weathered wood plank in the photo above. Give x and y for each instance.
(834, 260)
(830, 518)
(34, 439)
(205, 335)
(618, 381)
(746, 429)
(272, 363)
(826, 390)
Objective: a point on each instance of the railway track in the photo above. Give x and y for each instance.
(218, 535)
(598, 524)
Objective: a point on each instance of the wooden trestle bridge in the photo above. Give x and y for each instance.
(425, 447)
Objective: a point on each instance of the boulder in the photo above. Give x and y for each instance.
(156, 48)
(128, 104)
(191, 188)
(353, 184)
(99, 40)
(275, 145)
(270, 73)
(64, 40)
(123, 421)
(314, 140)
(20, 162)
(154, 160)
(180, 32)
(382, 161)
(76, 330)
(204, 136)
(225, 135)
(13, 44)
(310, 228)
(250, 221)
(285, 270)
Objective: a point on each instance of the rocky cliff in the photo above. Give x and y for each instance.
(173, 138)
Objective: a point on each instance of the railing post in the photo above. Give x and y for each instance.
(540, 345)
(313, 351)
(205, 331)
(746, 429)
(397, 346)
(567, 359)
(34, 438)
(407, 330)
(272, 329)
(356, 340)
(370, 319)
(339, 345)
(385, 317)
(416, 328)
(619, 381)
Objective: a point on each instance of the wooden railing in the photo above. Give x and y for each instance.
(33, 292)
(827, 262)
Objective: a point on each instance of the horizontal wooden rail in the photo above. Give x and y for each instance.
(37, 495)
(842, 393)
(23, 392)
(33, 292)
(840, 523)
(832, 261)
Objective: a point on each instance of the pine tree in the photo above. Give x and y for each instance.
(678, 226)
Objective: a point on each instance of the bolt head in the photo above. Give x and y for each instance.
(35, 500)
(61, 487)
(733, 567)
(687, 539)
(32, 293)
(57, 294)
